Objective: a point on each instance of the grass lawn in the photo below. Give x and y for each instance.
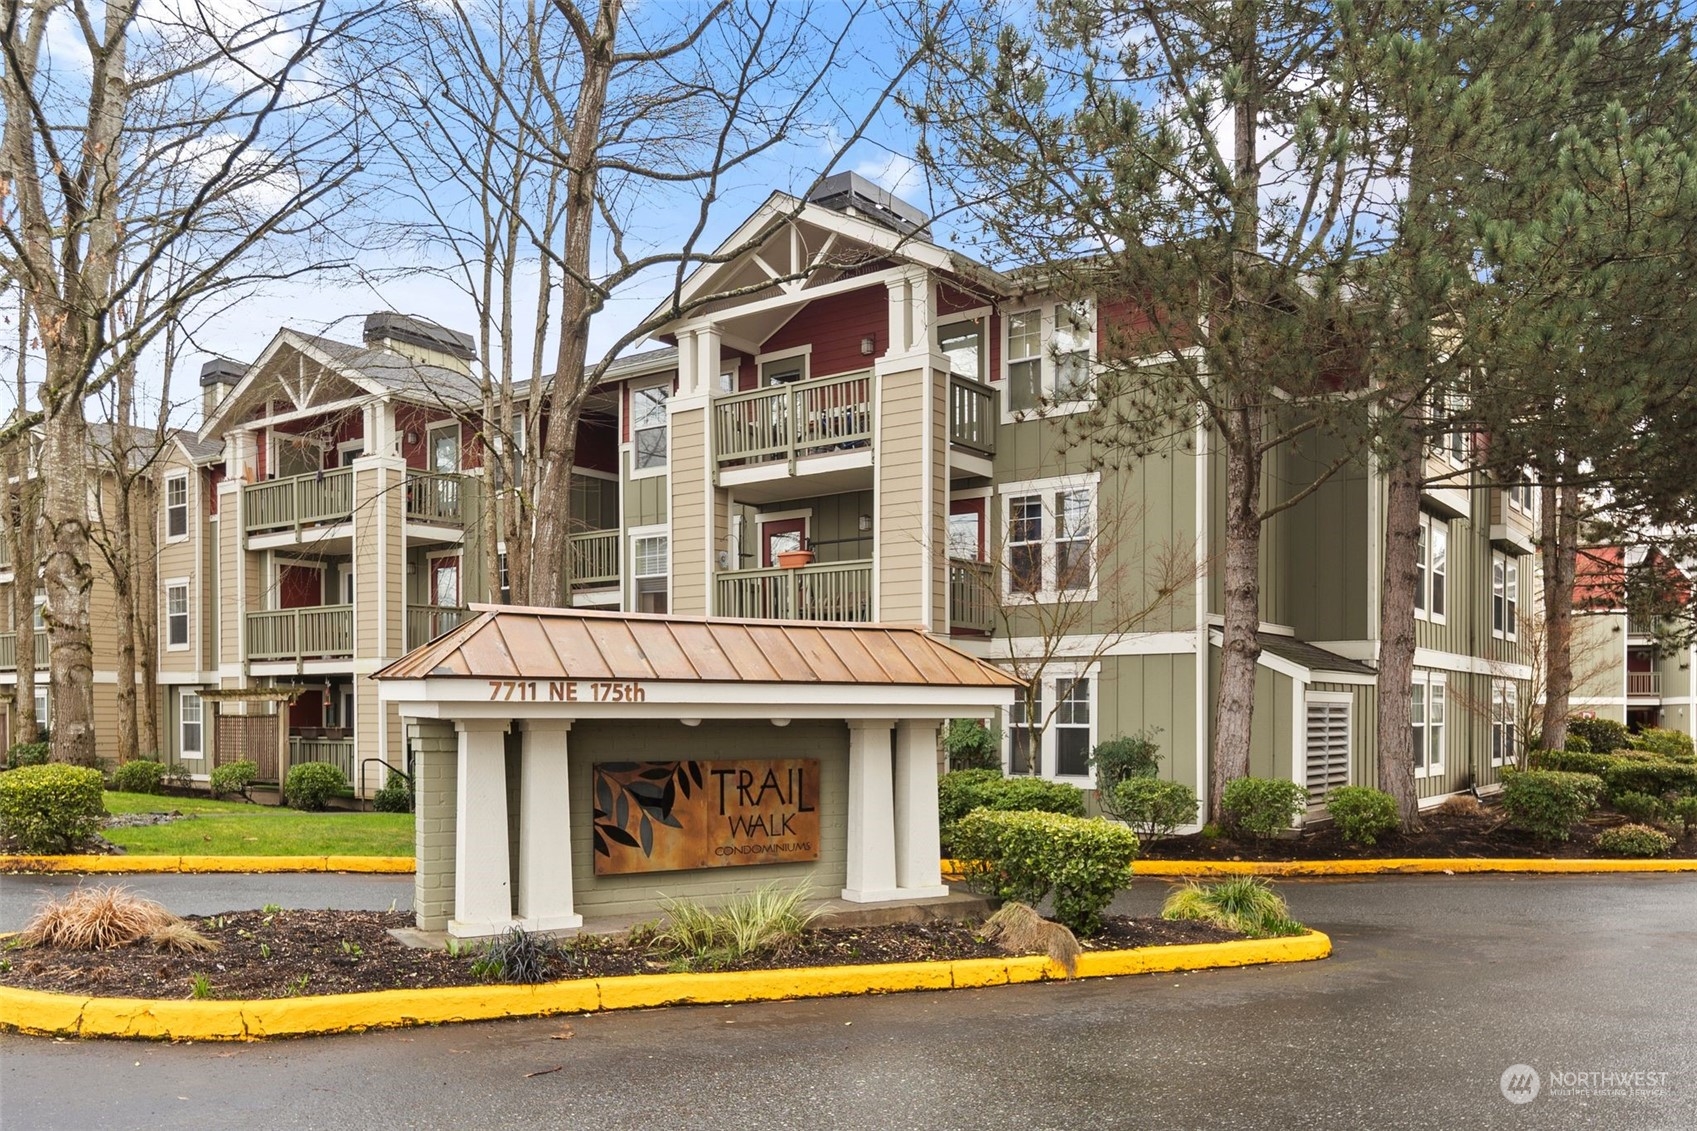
(236, 828)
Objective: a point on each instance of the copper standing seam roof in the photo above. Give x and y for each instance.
(503, 642)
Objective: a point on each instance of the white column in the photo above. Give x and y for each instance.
(918, 872)
(871, 814)
(545, 847)
(483, 890)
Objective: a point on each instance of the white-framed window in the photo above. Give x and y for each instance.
(1520, 494)
(1448, 409)
(177, 614)
(966, 536)
(43, 706)
(1327, 728)
(191, 725)
(962, 342)
(1049, 357)
(1431, 570)
(1429, 714)
(784, 367)
(650, 557)
(38, 613)
(1505, 713)
(504, 579)
(1049, 539)
(177, 506)
(648, 426)
(1057, 743)
(1505, 597)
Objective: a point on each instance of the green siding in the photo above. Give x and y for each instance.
(834, 527)
(1153, 693)
(646, 499)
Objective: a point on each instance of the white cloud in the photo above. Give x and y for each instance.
(894, 172)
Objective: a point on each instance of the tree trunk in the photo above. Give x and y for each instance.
(1559, 531)
(1395, 738)
(146, 614)
(65, 569)
(1235, 708)
(20, 537)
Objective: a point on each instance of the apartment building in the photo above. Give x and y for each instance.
(1625, 667)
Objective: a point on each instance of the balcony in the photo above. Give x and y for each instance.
(972, 605)
(322, 632)
(435, 497)
(595, 559)
(972, 416)
(9, 651)
(841, 591)
(1644, 685)
(338, 752)
(1640, 624)
(427, 622)
(788, 422)
(316, 499)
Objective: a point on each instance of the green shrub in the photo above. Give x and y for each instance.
(1025, 856)
(959, 792)
(1262, 807)
(1654, 776)
(1577, 744)
(235, 778)
(1572, 761)
(962, 791)
(1670, 744)
(764, 921)
(139, 776)
(28, 754)
(395, 796)
(1640, 808)
(1634, 840)
(516, 956)
(1245, 904)
(1546, 803)
(1153, 807)
(1122, 758)
(52, 808)
(310, 784)
(1684, 810)
(1362, 815)
(1604, 735)
(970, 745)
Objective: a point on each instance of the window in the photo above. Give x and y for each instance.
(648, 425)
(43, 707)
(38, 614)
(1449, 410)
(192, 731)
(506, 579)
(1505, 596)
(1072, 728)
(964, 536)
(1505, 711)
(1428, 712)
(1023, 737)
(784, 370)
(176, 506)
(649, 572)
(963, 344)
(1049, 355)
(1431, 569)
(1054, 743)
(177, 614)
(1520, 494)
(1050, 538)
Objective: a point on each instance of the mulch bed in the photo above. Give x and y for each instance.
(1483, 837)
(331, 952)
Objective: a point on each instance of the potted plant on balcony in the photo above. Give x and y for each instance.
(794, 559)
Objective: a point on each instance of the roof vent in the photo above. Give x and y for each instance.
(418, 332)
(855, 195)
(222, 371)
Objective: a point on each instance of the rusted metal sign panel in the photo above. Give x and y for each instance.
(674, 816)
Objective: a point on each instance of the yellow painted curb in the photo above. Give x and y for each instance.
(69, 1015)
(141, 865)
(1439, 866)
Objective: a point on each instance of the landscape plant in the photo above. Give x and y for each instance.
(1361, 814)
(515, 956)
(235, 778)
(311, 784)
(1684, 810)
(395, 795)
(27, 754)
(1654, 775)
(1634, 840)
(1672, 744)
(1026, 856)
(53, 808)
(1604, 735)
(140, 775)
(1262, 808)
(970, 745)
(1018, 929)
(1153, 807)
(960, 792)
(1122, 758)
(95, 918)
(767, 920)
(1245, 904)
(1547, 803)
(1639, 808)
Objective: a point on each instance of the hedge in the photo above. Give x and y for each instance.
(53, 808)
(1082, 861)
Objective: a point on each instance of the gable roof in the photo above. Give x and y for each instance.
(1310, 656)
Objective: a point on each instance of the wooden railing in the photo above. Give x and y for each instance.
(312, 633)
(972, 607)
(300, 500)
(339, 752)
(838, 592)
(595, 557)
(1640, 624)
(1643, 683)
(9, 651)
(435, 496)
(787, 421)
(972, 415)
(427, 622)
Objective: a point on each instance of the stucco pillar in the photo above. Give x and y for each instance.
(483, 890)
(545, 848)
(918, 869)
(871, 814)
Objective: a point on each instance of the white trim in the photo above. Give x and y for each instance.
(1093, 645)
(1429, 680)
(674, 402)
(182, 751)
(188, 506)
(1470, 665)
(1045, 490)
(453, 697)
(1048, 750)
(187, 586)
(653, 530)
(803, 352)
(1045, 309)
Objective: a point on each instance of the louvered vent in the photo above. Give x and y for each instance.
(1328, 749)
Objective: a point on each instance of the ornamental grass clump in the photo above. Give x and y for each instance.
(1245, 904)
(516, 957)
(768, 920)
(97, 918)
(1017, 929)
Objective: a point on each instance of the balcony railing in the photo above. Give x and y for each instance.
(595, 558)
(788, 421)
(339, 752)
(427, 622)
(972, 607)
(9, 651)
(1640, 624)
(837, 592)
(1644, 683)
(313, 499)
(435, 496)
(972, 415)
(321, 632)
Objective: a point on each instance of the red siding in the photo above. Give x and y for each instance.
(598, 445)
(834, 327)
(411, 423)
(214, 476)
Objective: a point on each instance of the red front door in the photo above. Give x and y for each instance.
(779, 537)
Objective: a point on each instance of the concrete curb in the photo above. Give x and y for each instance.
(256, 864)
(1436, 866)
(69, 1015)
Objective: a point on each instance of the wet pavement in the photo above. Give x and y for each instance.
(1438, 985)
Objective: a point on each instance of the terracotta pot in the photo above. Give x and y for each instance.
(794, 559)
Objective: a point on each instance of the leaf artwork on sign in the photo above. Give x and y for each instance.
(646, 790)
